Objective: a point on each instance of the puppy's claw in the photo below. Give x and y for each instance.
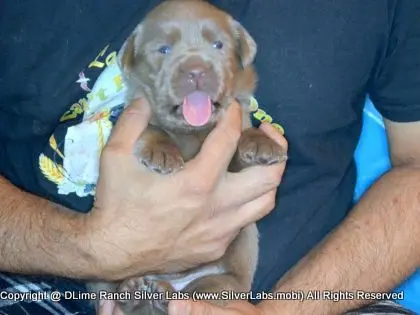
(162, 158)
(130, 286)
(256, 148)
(162, 288)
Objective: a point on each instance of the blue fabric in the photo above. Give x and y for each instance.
(372, 161)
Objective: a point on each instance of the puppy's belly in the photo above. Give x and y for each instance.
(180, 281)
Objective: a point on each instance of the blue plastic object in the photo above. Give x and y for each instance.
(372, 161)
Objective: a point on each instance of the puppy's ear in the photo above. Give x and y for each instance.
(246, 46)
(128, 56)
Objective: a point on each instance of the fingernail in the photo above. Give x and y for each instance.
(279, 128)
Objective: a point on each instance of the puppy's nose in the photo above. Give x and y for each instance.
(196, 73)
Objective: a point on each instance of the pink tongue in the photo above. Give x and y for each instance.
(196, 108)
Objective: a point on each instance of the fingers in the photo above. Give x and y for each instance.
(248, 213)
(257, 209)
(219, 147)
(185, 307)
(129, 126)
(240, 188)
(188, 307)
(254, 181)
(274, 134)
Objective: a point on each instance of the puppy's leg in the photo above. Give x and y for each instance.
(158, 152)
(240, 262)
(256, 148)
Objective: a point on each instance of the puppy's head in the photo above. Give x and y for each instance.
(186, 58)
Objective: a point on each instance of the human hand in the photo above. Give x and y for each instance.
(186, 307)
(144, 222)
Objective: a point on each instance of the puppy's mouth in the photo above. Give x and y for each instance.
(197, 108)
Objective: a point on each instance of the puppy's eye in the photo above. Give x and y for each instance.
(218, 44)
(165, 49)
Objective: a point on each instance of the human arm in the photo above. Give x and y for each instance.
(376, 247)
(373, 250)
(37, 238)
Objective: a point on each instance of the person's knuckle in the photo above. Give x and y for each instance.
(200, 188)
(130, 110)
(219, 251)
(231, 135)
(193, 199)
(234, 134)
(108, 154)
(285, 143)
(112, 147)
(274, 175)
(194, 206)
(270, 204)
(264, 205)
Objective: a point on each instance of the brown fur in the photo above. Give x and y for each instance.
(191, 27)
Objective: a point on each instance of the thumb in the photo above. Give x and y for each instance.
(129, 126)
(187, 307)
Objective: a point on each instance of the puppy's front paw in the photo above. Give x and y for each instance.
(131, 287)
(256, 148)
(145, 292)
(161, 157)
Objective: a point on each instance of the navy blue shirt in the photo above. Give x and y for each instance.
(317, 62)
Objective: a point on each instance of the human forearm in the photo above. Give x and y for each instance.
(373, 250)
(37, 238)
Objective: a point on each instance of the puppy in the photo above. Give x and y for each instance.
(190, 60)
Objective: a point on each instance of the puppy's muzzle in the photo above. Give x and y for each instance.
(196, 75)
(197, 84)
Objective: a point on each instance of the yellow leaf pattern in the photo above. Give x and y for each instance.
(51, 171)
(54, 146)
